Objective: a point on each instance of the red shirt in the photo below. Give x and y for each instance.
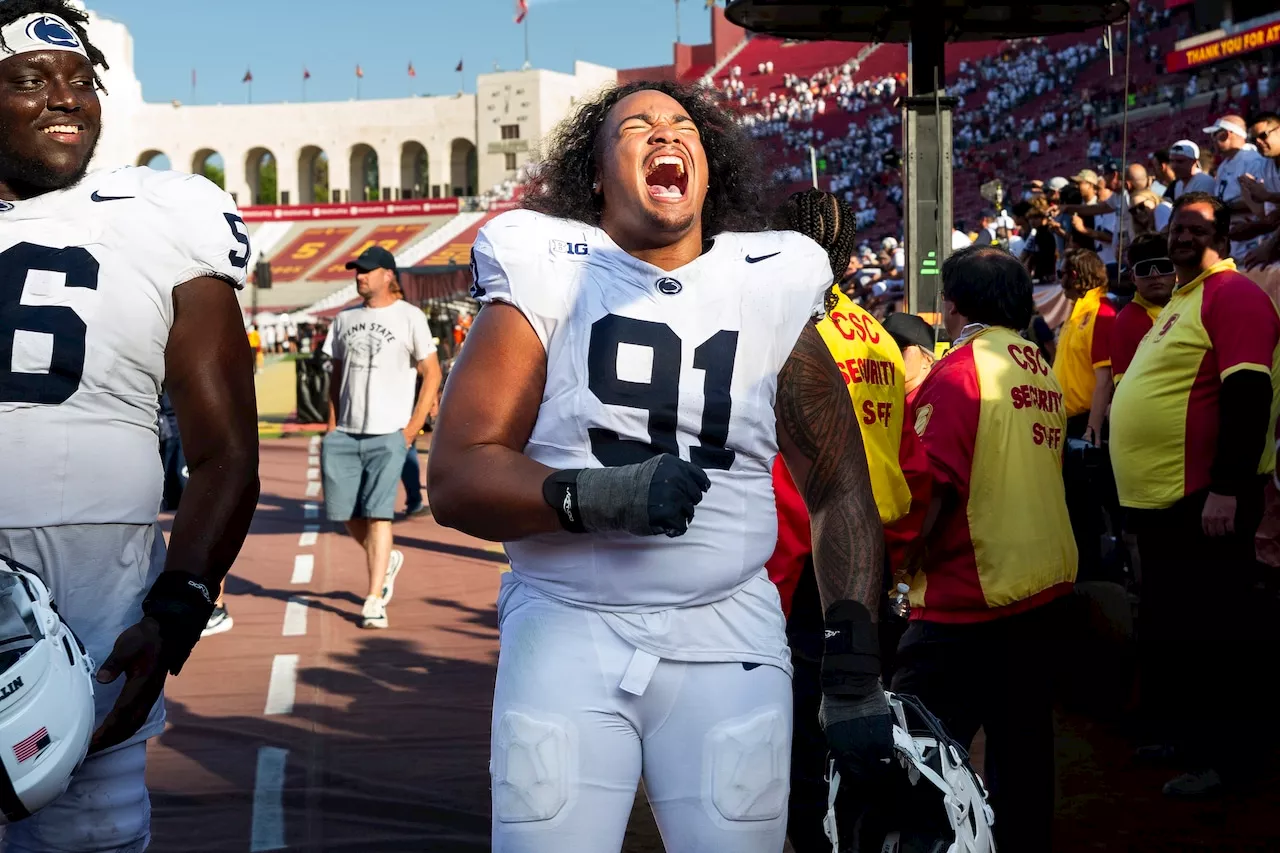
(1133, 321)
(794, 544)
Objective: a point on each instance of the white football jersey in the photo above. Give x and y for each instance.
(643, 361)
(86, 301)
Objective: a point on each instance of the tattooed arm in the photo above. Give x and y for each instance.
(821, 444)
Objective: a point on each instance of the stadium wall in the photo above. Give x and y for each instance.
(471, 142)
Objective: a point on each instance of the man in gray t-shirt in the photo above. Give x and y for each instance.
(379, 349)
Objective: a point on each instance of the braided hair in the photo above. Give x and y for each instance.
(12, 10)
(823, 218)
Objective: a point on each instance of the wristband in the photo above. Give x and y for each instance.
(851, 652)
(560, 491)
(181, 603)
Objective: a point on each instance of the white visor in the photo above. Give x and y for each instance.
(40, 32)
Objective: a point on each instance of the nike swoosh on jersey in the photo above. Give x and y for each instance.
(752, 260)
(96, 197)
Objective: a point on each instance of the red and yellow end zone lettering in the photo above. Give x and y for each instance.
(453, 253)
(292, 262)
(389, 237)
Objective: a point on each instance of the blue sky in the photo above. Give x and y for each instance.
(277, 38)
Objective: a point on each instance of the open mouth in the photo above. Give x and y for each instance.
(667, 178)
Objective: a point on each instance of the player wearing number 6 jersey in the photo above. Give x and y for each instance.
(644, 353)
(112, 285)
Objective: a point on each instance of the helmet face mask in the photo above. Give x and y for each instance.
(46, 696)
(932, 801)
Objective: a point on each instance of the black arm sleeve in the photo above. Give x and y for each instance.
(1244, 411)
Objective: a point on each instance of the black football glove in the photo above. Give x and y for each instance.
(859, 735)
(647, 498)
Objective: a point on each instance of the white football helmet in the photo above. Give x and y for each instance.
(932, 767)
(46, 696)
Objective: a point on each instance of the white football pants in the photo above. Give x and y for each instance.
(579, 716)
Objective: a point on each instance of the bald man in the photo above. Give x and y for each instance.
(1236, 157)
(1136, 180)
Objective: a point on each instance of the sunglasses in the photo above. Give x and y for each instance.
(1259, 137)
(1152, 268)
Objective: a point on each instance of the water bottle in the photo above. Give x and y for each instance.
(901, 606)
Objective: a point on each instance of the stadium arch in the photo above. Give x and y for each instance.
(155, 159)
(261, 173)
(211, 164)
(364, 173)
(463, 164)
(415, 170)
(314, 179)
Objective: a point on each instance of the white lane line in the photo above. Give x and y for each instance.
(313, 460)
(295, 618)
(268, 800)
(310, 532)
(311, 510)
(314, 442)
(313, 489)
(313, 473)
(303, 566)
(283, 685)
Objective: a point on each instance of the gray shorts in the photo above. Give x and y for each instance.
(361, 473)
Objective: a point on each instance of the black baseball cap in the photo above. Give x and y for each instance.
(909, 330)
(372, 258)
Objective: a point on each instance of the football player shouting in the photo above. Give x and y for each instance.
(656, 351)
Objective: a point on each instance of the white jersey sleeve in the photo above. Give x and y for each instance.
(199, 229)
(508, 264)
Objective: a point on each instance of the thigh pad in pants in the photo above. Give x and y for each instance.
(533, 762)
(747, 762)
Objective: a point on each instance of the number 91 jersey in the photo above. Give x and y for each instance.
(86, 302)
(643, 361)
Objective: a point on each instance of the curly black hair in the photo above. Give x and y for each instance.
(823, 218)
(12, 10)
(561, 185)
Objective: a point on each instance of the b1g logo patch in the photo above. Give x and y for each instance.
(563, 247)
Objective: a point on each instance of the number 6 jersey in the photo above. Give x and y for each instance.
(643, 361)
(86, 301)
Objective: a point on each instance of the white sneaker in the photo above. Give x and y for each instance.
(1202, 783)
(374, 613)
(389, 582)
(219, 621)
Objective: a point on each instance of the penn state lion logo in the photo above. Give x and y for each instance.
(50, 30)
(364, 347)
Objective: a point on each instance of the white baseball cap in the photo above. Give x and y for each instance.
(1185, 148)
(1229, 126)
(1057, 184)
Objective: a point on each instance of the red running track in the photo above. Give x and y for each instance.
(382, 744)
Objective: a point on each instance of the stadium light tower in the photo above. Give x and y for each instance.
(925, 26)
